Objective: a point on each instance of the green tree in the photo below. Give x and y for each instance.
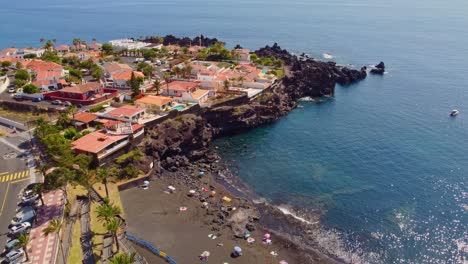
(63, 120)
(253, 58)
(71, 133)
(48, 45)
(30, 56)
(106, 212)
(23, 241)
(135, 83)
(38, 188)
(22, 74)
(123, 258)
(31, 89)
(149, 54)
(102, 176)
(226, 85)
(157, 85)
(52, 228)
(107, 48)
(19, 65)
(113, 227)
(96, 72)
(6, 64)
(51, 56)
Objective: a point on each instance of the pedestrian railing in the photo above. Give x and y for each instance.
(150, 248)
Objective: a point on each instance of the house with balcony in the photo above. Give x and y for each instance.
(117, 75)
(8, 52)
(111, 140)
(62, 49)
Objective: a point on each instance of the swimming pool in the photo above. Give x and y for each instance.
(178, 107)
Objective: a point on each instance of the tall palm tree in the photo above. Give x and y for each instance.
(113, 227)
(102, 175)
(157, 85)
(106, 212)
(123, 258)
(54, 227)
(167, 77)
(41, 40)
(23, 241)
(38, 188)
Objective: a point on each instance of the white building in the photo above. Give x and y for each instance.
(129, 44)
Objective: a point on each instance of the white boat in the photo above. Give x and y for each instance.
(454, 112)
(327, 56)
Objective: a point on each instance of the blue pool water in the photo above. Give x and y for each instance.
(179, 107)
(382, 161)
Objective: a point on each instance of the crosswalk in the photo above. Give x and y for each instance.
(5, 177)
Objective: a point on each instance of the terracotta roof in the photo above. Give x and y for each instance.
(199, 93)
(207, 73)
(62, 48)
(114, 67)
(85, 117)
(82, 88)
(127, 75)
(39, 65)
(126, 110)
(43, 82)
(8, 50)
(96, 141)
(95, 45)
(12, 60)
(43, 75)
(182, 86)
(154, 100)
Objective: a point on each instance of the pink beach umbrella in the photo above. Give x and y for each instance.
(266, 236)
(283, 262)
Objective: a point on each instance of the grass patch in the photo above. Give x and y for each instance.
(98, 230)
(114, 194)
(76, 255)
(24, 116)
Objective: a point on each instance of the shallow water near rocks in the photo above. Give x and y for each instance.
(381, 162)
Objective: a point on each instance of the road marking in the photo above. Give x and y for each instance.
(4, 199)
(20, 180)
(3, 173)
(14, 176)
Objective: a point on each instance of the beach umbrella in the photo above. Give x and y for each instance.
(283, 262)
(201, 173)
(205, 254)
(266, 236)
(146, 182)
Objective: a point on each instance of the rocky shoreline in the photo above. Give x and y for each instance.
(183, 148)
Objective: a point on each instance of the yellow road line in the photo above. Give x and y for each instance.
(20, 180)
(8, 177)
(4, 199)
(2, 178)
(2, 173)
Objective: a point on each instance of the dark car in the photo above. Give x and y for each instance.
(37, 99)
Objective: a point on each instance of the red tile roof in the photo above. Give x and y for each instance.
(115, 67)
(43, 75)
(126, 110)
(8, 50)
(62, 48)
(154, 100)
(96, 141)
(85, 117)
(82, 88)
(39, 65)
(182, 86)
(127, 75)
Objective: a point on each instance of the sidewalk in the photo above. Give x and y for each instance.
(41, 248)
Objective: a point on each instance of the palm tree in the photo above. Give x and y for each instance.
(41, 40)
(167, 77)
(54, 40)
(102, 175)
(106, 212)
(94, 39)
(123, 258)
(157, 85)
(38, 188)
(241, 80)
(226, 85)
(23, 241)
(113, 227)
(54, 227)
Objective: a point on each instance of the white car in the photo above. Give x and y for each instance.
(11, 90)
(16, 230)
(15, 256)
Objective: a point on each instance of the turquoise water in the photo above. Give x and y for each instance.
(382, 161)
(179, 107)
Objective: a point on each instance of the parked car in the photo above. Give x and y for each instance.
(18, 97)
(11, 244)
(23, 228)
(11, 90)
(37, 99)
(56, 102)
(29, 196)
(67, 103)
(79, 105)
(26, 214)
(30, 187)
(15, 256)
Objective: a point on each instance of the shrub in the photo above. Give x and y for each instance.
(31, 89)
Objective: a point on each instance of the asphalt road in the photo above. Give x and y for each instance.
(14, 175)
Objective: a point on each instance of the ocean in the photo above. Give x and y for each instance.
(382, 162)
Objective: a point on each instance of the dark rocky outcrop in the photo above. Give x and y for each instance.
(379, 68)
(305, 77)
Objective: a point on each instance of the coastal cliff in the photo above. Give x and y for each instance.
(305, 77)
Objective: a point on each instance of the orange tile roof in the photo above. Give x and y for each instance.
(8, 50)
(85, 117)
(96, 141)
(126, 110)
(154, 100)
(62, 48)
(82, 88)
(127, 75)
(182, 86)
(43, 75)
(39, 65)
(114, 67)
(95, 45)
